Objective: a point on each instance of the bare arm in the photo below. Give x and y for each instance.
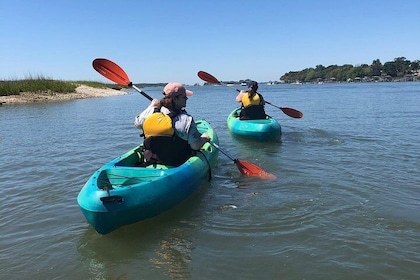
(240, 95)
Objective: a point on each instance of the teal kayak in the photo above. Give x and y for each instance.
(122, 192)
(261, 130)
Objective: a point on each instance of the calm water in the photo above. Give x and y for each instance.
(345, 205)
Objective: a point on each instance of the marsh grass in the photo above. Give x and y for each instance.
(45, 85)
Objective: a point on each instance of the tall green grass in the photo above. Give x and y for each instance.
(44, 85)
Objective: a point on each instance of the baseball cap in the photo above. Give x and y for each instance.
(175, 89)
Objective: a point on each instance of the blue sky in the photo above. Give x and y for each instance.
(171, 40)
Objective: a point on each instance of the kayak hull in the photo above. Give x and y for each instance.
(122, 193)
(260, 130)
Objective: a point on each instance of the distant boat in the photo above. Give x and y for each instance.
(243, 84)
(297, 82)
(270, 83)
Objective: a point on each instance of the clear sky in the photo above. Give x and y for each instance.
(171, 40)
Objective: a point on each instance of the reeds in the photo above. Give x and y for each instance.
(43, 85)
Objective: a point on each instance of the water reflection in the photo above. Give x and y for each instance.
(157, 248)
(167, 250)
(174, 255)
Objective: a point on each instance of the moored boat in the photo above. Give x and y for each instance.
(261, 130)
(123, 191)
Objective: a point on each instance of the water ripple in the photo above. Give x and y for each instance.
(344, 205)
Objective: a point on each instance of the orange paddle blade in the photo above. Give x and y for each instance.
(111, 70)
(251, 170)
(207, 77)
(292, 112)
(288, 111)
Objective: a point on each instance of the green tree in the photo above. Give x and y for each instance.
(415, 65)
(390, 69)
(310, 75)
(376, 67)
(397, 68)
(401, 66)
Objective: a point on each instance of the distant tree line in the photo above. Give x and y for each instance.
(400, 69)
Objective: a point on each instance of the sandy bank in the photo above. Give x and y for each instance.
(81, 93)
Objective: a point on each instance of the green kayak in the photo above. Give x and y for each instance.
(261, 130)
(121, 192)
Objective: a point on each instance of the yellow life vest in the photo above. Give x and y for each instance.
(255, 100)
(158, 124)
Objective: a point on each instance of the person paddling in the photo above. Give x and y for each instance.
(171, 135)
(252, 103)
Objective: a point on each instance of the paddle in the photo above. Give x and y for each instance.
(247, 168)
(213, 80)
(115, 73)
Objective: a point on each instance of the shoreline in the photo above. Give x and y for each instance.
(82, 92)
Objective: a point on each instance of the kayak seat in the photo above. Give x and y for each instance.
(167, 150)
(141, 161)
(255, 112)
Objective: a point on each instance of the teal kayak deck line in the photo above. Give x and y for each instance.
(121, 192)
(261, 130)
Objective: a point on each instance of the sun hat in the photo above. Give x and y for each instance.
(176, 89)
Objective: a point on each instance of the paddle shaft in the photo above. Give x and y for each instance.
(141, 92)
(222, 151)
(272, 104)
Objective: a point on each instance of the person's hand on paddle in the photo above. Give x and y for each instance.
(206, 137)
(139, 119)
(155, 102)
(240, 95)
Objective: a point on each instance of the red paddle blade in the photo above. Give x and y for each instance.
(292, 112)
(111, 71)
(251, 170)
(207, 77)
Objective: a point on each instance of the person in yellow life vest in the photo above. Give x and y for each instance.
(252, 103)
(171, 135)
